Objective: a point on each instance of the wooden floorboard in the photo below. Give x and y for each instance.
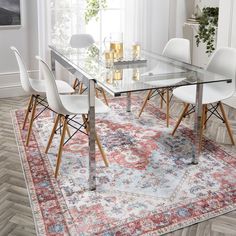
(15, 212)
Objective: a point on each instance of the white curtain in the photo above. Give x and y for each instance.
(226, 32)
(180, 11)
(43, 34)
(57, 21)
(147, 22)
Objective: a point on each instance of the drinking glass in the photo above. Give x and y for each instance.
(136, 51)
(109, 77)
(115, 41)
(109, 59)
(118, 74)
(136, 74)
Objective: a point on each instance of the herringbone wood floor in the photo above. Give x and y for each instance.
(15, 212)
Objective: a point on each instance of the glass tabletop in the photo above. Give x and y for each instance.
(151, 71)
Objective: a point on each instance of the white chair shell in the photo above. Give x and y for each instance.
(81, 40)
(24, 76)
(178, 49)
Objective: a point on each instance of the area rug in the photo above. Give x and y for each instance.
(149, 188)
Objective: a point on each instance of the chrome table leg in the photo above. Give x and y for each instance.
(128, 108)
(197, 123)
(53, 68)
(92, 136)
(53, 62)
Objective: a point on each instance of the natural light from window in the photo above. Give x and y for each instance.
(96, 17)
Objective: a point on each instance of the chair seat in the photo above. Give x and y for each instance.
(78, 104)
(165, 82)
(39, 86)
(187, 94)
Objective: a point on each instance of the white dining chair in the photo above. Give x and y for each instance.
(223, 62)
(66, 106)
(37, 91)
(177, 49)
(84, 41)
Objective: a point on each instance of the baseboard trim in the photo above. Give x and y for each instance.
(11, 91)
(10, 85)
(17, 73)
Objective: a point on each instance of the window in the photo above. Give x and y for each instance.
(143, 21)
(69, 17)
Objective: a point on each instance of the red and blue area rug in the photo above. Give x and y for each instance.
(149, 188)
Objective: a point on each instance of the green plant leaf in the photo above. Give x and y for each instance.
(208, 23)
(92, 9)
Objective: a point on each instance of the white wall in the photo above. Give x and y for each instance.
(25, 39)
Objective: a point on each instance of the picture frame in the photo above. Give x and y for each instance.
(10, 13)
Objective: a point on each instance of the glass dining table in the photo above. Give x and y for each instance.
(125, 77)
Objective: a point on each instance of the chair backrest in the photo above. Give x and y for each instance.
(81, 40)
(24, 76)
(223, 62)
(178, 49)
(52, 94)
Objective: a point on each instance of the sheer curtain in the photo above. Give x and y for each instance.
(226, 32)
(147, 22)
(43, 28)
(57, 21)
(143, 21)
(67, 18)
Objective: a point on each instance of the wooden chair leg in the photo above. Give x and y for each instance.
(180, 118)
(97, 141)
(76, 83)
(68, 130)
(86, 123)
(202, 125)
(67, 127)
(161, 102)
(167, 107)
(227, 123)
(101, 150)
(145, 102)
(52, 133)
(97, 95)
(104, 96)
(80, 88)
(31, 120)
(60, 147)
(28, 111)
(205, 121)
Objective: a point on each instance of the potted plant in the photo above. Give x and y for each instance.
(208, 23)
